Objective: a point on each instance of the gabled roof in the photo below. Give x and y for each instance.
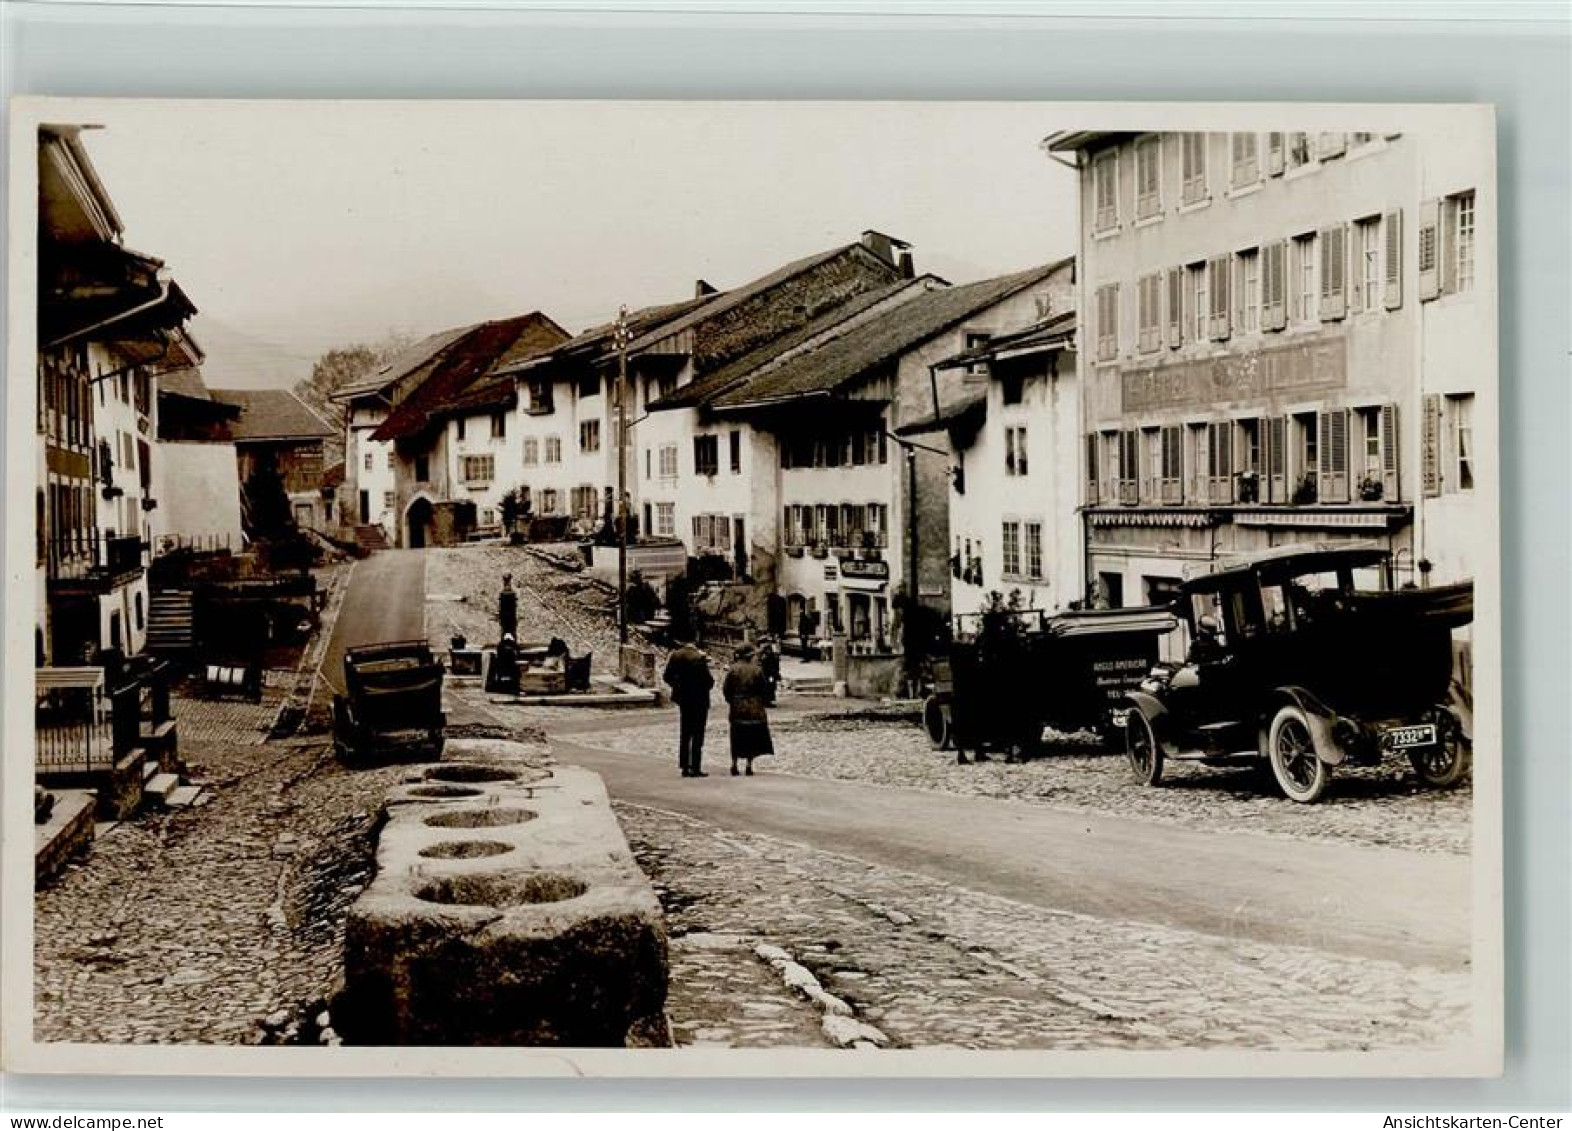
(823, 371)
(729, 300)
(597, 340)
(729, 376)
(186, 382)
(401, 364)
(467, 357)
(966, 411)
(273, 414)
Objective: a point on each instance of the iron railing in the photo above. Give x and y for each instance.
(85, 554)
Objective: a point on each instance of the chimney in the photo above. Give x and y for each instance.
(702, 289)
(880, 244)
(905, 265)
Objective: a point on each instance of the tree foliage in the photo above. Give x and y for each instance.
(345, 365)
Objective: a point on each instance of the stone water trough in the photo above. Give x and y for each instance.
(506, 910)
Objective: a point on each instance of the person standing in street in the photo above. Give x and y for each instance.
(747, 691)
(688, 675)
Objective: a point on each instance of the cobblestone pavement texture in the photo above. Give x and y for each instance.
(933, 966)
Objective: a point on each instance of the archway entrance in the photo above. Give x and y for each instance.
(417, 524)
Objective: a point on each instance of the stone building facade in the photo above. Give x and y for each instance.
(1286, 337)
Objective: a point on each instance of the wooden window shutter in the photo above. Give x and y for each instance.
(1334, 266)
(1332, 449)
(1219, 272)
(1430, 454)
(1175, 307)
(1276, 460)
(1203, 457)
(1276, 285)
(1330, 145)
(1274, 154)
(1429, 250)
(1389, 453)
(1394, 259)
(1446, 246)
(1091, 469)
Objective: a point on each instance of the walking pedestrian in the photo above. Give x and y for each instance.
(747, 691)
(688, 675)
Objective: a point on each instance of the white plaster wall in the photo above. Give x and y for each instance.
(478, 441)
(200, 496)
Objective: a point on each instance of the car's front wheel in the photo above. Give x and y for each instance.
(1447, 762)
(1143, 749)
(1299, 771)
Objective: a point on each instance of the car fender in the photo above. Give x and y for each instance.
(1463, 713)
(1317, 714)
(1150, 706)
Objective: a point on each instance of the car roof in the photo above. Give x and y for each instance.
(1288, 561)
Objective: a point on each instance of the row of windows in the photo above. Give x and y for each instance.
(499, 426)
(841, 525)
(369, 459)
(533, 447)
(1251, 157)
(1020, 554)
(706, 454)
(857, 447)
(1312, 277)
(1328, 456)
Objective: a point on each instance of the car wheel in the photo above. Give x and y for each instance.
(1299, 771)
(1143, 749)
(1447, 762)
(936, 720)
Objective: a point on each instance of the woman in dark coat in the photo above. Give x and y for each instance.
(747, 691)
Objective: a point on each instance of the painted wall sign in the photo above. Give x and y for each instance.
(865, 570)
(1298, 368)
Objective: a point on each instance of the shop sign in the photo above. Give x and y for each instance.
(853, 569)
(1256, 376)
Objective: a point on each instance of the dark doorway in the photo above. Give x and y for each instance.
(417, 522)
(365, 507)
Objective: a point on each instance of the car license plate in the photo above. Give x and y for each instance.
(1404, 738)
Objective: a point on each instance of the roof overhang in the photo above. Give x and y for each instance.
(1070, 141)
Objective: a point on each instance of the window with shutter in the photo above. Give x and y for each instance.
(1129, 467)
(1394, 260)
(1172, 471)
(1220, 470)
(1430, 446)
(1108, 322)
(1246, 160)
(1175, 307)
(1220, 302)
(1193, 168)
(1105, 186)
(1460, 464)
(1277, 460)
(1334, 263)
(1274, 154)
(1148, 177)
(1333, 449)
(1429, 250)
(1389, 454)
(1092, 493)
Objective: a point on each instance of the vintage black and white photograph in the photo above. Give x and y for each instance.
(846, 580)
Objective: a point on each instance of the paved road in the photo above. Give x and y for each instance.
(386, 600)
(1355, 900)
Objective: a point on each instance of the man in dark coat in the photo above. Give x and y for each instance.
(688, 675)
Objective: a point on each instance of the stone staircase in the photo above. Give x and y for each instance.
(371, 538)
(169, 624)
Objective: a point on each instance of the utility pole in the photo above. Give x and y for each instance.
(622, 339)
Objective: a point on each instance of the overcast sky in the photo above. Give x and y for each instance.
(299, 227)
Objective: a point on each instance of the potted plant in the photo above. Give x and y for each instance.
(794, 551)
(1305, 490)
(1249, 490)
(1371, 489)
(820, 550)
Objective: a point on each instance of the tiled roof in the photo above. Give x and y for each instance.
(598, 338)
(273, 414)
(843, 359)
(727, 300)
(971, 407)
(456, 360)
(722, 380)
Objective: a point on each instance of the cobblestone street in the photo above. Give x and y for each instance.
(929, 965)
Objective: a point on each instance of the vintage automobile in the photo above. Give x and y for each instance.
(391, 709)
(1292, 666)
(1001, 689)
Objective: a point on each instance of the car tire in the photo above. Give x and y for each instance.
(1449, 763)
(1142, 748)
(936, 721)
(1297, 768)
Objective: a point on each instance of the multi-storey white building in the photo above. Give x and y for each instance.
(1014, 439)
(1285, 337)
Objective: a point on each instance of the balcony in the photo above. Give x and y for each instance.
(84, 561)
